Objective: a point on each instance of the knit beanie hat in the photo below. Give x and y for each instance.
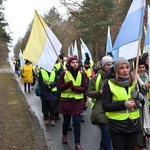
(61, 56)
(144, 56)
(105, 60)
(119, 61)
(71, 58)
(86, 62)
(141, 62)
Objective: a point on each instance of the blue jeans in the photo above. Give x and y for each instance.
(105, 143)
(76, 126)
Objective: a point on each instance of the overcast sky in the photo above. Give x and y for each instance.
(19, 13)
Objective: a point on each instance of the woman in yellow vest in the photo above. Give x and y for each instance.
(72, 84)
(119, 101)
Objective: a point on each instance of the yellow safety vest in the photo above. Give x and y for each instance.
(98, 80)
(88, 72)
(148, 96)
(48, 79)
(91, 63)
(68, 93)
(119, 94)
(57, 66)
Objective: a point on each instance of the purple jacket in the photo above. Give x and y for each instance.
(70, 106)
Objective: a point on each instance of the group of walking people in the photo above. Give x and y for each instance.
(119, 104)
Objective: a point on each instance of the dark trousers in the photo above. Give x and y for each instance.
(76, 125)
(48, 109)
(25, 86)
(124, 141)
(106, 138)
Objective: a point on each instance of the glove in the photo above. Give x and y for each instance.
(137, 95)
(70, 83)
(53, 84)
(73, 88)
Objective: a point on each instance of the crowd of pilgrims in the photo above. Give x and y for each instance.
(119, 106)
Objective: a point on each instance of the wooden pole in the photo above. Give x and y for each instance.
(137, 61)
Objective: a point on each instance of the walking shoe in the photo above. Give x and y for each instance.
(78, 147)
(64, 139)
(46, 122)
(52, 123)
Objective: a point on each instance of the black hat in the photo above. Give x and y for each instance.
(144, 56)
(86, 62)
(61, 56)
(141, 62)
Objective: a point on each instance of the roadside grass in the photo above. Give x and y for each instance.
(19, 128)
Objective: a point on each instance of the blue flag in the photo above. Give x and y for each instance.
(86, 50)
(82, 54)
(109, 43)
(75, 49)
(147, 38)
(126, 44)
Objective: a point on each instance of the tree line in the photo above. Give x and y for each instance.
(88, 20)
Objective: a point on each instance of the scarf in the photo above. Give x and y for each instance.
(142, 78)
(123, 82)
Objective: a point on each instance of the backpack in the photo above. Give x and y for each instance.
(38, 90)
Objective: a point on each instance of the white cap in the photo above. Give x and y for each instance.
(105, 60)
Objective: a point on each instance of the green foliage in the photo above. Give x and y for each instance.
(53, 18)
(88, 20)
(4, 36)
(94, 17)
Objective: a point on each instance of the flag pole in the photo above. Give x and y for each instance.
(138, 52)
(51, 43)
(106, 40)
(137, 61)
(148, 10)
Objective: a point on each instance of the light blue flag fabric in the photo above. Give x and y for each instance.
(147, 38)
(71, 49)
(75, 49)
(86, 50)
(82, 54)
(109, 43)
(126, 44)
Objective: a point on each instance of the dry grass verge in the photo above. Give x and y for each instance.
(19, 129)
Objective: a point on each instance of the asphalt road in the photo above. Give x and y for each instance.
(90, 134)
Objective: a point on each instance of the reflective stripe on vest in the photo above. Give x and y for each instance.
(48, 79)
(119, 94)
(57, 66)
(97, 83)
(148, 96)
(68, 93)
